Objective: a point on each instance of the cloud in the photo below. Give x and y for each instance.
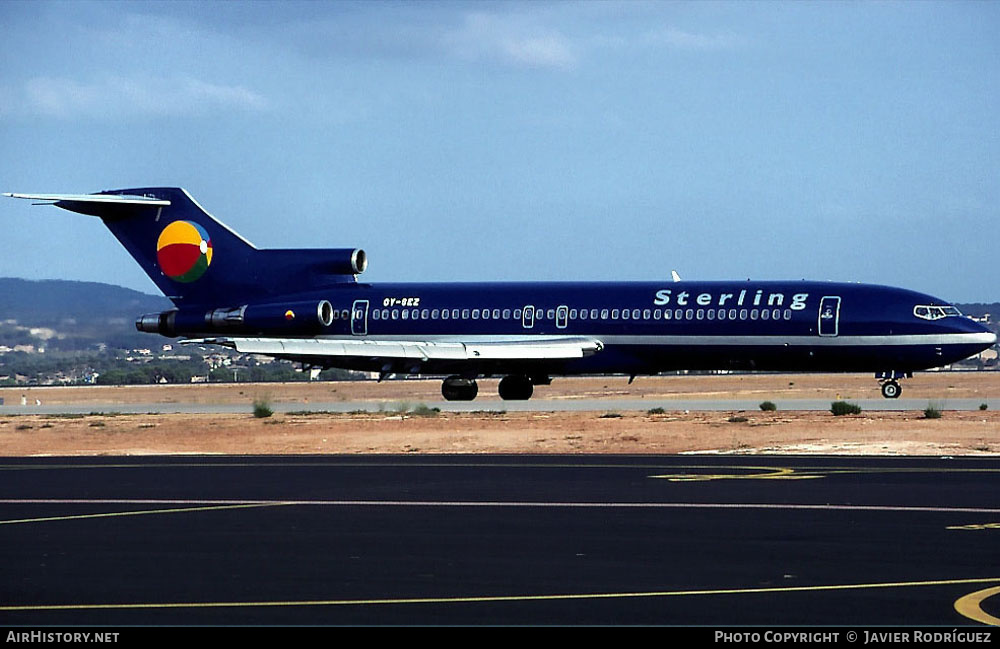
(117, 97)
(513, 39)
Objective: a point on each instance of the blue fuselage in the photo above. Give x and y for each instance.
(652, 327)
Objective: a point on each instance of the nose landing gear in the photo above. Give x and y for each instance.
(891, 389)
(890, 386)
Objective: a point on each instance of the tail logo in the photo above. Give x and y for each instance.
(184, 251)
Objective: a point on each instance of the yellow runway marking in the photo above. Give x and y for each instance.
(178, 510)
(971, 606)
(975, 526)
(771, 473)
(497, 598)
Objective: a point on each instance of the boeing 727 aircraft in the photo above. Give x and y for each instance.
(307, 305)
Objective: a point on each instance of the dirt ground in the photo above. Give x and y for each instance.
(415, 431)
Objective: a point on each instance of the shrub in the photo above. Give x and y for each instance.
(262, 408)
(611, 415)
(768, 406)
(655, 411)
(930, 412)
(423, 411)
(983, 406)
(738, 420)
(839, 408)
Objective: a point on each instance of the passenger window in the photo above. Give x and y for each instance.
(593, 314)
(614, 314)
(375, 314)
(496, 314)
(550, 314)
(701, 314)
(465, 314)
(743, 314)
(395, 314)
(625, 314)
(572, 314)
(434, 314)
(506, 314)
(635, 314)
(604, 314)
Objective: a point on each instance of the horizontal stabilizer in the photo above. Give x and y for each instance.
(527, 349)
(117, 199)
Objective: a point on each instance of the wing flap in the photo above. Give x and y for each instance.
(525, 349)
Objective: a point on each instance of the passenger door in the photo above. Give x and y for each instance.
(829, 316)
(359, 318)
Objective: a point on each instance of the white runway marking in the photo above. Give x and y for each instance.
(498, 503)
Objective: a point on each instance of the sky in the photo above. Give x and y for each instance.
(482, 141)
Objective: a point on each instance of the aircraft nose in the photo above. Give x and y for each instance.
(984, 334)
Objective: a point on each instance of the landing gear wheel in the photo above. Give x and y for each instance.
(456, 388)
(515, 387)
(891, 390)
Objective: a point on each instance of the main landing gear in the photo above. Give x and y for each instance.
(890, 386)
(513, 387)
(457, 388)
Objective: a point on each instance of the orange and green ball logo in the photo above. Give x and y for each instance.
(184, 251)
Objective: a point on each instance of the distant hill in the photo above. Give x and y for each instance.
(81, 314)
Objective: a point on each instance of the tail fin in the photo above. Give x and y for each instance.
(197, 260)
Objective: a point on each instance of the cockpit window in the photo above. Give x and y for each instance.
(932, 312)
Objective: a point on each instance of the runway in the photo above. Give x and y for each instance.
(499, 540)
(494, 405)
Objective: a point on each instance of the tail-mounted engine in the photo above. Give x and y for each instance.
(289, 318)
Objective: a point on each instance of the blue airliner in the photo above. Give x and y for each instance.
(307, 305)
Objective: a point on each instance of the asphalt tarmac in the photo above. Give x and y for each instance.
(499, 540)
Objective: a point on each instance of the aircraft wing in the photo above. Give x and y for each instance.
(521, 349)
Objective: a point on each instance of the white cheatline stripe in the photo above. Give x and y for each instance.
(741, 340)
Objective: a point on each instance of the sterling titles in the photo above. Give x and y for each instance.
(743, 298)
